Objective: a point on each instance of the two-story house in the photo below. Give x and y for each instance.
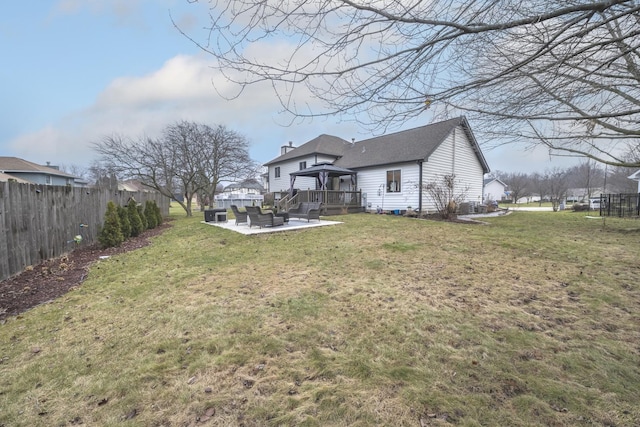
(388, 172)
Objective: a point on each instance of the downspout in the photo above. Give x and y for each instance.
(453, 158)
(453, 162)
(420, 186)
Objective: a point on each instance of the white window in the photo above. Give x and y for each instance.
(393, 181)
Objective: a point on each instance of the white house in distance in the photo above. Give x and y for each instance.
(245, 193)
(388, 170)
(636, 177)
(494, 189)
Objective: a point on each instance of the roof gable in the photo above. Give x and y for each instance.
(490, 180)
(323, 144)
(635, 176)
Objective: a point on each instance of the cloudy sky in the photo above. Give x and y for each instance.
(75, 71)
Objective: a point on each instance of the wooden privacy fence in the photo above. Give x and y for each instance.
(40, 222)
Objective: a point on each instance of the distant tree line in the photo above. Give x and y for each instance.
(555, 185)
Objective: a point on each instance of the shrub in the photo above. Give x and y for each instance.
(125, 224)
(134, 218)
(150, 215)
(143, 218)
(156, 208)
(110, 233)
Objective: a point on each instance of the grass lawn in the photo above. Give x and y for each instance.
(532, 320)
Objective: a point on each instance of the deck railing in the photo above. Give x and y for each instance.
(328, 198)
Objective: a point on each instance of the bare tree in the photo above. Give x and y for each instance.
(518, 184)
(552, 186)
(587, 175)
(189, 157)
(617, 177)
(557, 186)
(562, 74)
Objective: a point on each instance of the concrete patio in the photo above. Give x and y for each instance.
(290, 226)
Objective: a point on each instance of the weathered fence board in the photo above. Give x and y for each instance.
(39, 222)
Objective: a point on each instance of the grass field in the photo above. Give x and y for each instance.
(531, 320)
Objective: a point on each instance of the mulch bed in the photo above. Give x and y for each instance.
(53, 278)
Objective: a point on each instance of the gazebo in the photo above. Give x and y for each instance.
(323, 172)
(334, 201)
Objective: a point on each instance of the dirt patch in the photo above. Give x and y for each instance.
(53, 278)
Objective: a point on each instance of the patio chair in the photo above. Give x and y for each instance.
(240, 216)
(262, 219)
(306, 210)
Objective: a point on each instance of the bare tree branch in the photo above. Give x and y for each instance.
(570, 70)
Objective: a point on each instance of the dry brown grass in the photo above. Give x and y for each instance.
(532, 320)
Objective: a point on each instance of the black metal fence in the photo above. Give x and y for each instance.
(620, 205)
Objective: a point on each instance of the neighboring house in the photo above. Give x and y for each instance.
(6, 177)
(249, 186)
(134, 185)
(582, 194)
(37, 174)
(245, 193)
(389, 170)
(494, 189)
(635, 177)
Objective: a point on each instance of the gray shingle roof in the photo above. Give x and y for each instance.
(323, 144)
(405, 146)
(400, 147)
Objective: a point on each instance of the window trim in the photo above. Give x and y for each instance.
(302, 165)
(276, 172)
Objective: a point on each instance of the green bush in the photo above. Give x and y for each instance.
(110, 233)
(150, 214)
(156, 208)
(143, 218)
(125, 224)
(134, 218)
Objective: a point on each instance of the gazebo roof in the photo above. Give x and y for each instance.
(322, 172)
(326, 168)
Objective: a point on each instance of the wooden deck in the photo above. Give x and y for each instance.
(333, 202)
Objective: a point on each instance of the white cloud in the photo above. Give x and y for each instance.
(182, 89)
